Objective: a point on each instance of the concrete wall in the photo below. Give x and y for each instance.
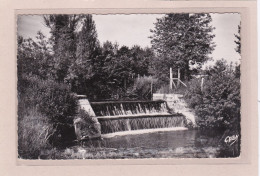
(177, 103)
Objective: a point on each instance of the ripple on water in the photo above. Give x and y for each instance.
(166, 144)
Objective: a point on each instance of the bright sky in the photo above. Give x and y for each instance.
(134, 29)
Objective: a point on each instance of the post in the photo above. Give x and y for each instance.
(179, 78)
(202, 82)
(152, 90)
(171, 78)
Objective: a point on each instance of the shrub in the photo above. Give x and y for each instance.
(51, 100)
(49, 97)
(142, 88)
(217, 105)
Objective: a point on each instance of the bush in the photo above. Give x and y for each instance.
(50, 101)
(141, 89)
(217, 105)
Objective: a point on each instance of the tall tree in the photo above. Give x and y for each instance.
(180, 40)
(238, 50)
(109, 80)
(238, 40)
(63, 36)
(123, 68)
(85, 67)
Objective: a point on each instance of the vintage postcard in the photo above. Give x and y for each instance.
(156, 85)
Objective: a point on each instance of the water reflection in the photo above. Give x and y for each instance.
(181, 144)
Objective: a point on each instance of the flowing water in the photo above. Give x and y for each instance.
(166, 144)
(129, 108)
(129, 117)
(116, 116)
(138, 123)
(121, 123)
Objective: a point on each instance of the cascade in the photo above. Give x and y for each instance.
(116, 116)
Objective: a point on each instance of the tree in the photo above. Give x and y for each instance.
(58, 24)
(141, 59)
(238, 50)
(123, 70)
(34, 57)
(218, 104)
(181, 39)
(41, 100)
(63, 36)
(238, 41)
(82, 71)
(110, 82)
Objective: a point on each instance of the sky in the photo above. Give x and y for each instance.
(134, 29)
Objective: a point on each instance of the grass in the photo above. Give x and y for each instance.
(33, 134)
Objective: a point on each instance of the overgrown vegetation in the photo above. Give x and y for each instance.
(45, 106)
(217, 102)
(143, 88)
(34, 132)
(45, 115)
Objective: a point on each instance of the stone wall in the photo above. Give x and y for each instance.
(86, 124)
(178, 105)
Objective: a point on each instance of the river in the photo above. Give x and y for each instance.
(165, 144)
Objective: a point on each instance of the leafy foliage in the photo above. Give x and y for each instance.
(34, 57)
(143, 88)
(49, 99)
(63, 29)
(238, 41)
(83, 70)
(180, 40)
(40, 96)
(217, 103)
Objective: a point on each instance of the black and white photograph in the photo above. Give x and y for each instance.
(128, 86)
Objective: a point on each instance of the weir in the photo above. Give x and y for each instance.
(118, 116)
